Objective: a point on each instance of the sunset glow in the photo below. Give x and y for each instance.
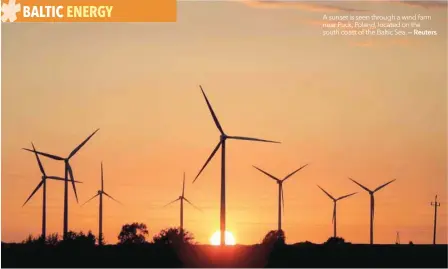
(372, 108)
(215, 239)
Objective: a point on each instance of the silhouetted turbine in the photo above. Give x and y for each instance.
(100, 193)
(43, 184)
(222, 144)
(181, 199)
(372, 203)
(334, 207)
(281, 200)
(435, 204)
(68, 170)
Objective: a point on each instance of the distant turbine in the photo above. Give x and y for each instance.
(281, 200)
(181, 199)
(222, 142)
(435, 205)
(397, 239)
(372, 203)
(68, 170)
(334, 207)
(43, 184)
(100, 193)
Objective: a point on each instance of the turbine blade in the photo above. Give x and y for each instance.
(329, 195)
(112, 198)
(35, 190)
(384, 185)
(81, 145)
(192, 204)
(60, 178)
(212, 112)
(90, 199)
(252, 139)
(171, 202)
(38, 160)
(54, 157)
(102, 180)
(183, 187)
(345, 196)
(70, 171)
(359, 184)
(208, 160)
(288, 176)
(266, 173)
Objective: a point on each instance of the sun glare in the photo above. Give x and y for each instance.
(215, 240)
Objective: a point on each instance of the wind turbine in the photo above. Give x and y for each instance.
(281, 200)
(182, 198)
(435, 205)
(372, 203)
(100, 193)
(334, 207)
(43, 184)
(68, 170)
(222, 144)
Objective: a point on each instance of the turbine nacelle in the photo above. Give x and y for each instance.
(182, 198)
(371, 192)
(223, 137)
(101, 192)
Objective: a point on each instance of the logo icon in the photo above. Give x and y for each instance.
(10, 10)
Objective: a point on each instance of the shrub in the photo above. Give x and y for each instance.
(173, 236)
(274, 238)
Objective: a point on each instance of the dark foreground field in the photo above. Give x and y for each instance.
(149, 255)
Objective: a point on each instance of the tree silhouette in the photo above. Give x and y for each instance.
(52, 239)
(31, 240)
(173, 236)
(134, 233)
(79, 239)
(274, 237)
(336, 241)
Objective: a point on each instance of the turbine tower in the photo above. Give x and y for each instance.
(68, 171)
(435, 205)
(100, 193)
(222, 144)
(281, 200)
(334, 207)
(397, 239)
(182, 198)
(372, 203)
(43, 184)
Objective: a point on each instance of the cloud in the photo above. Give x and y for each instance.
(314, 6)
(426, 4)
(308, 6)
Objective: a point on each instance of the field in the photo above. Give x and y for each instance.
(298, 255)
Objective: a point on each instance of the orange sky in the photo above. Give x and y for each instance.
(370, 108)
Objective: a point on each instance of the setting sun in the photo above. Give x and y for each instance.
(215, 239)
